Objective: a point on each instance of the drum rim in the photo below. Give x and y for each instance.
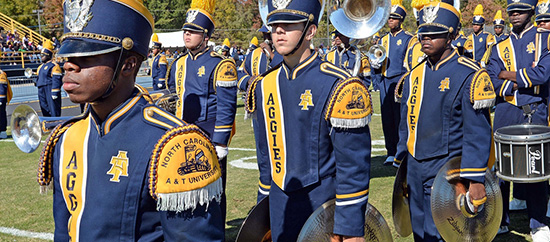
(506, 137)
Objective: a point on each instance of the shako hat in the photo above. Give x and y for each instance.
(521, 5)
(478, 15)
(438, 18)
(542, 11)
(200, 17)
(156, 43)
(294, 11)
(498, 20)
(94, 27)
(397, 10)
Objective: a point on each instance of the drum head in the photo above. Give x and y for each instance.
(524, 132)
(451, 222)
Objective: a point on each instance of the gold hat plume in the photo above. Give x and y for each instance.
(155, 38)
(419, 4)
(48, 45)
(396, 2)
(206, 5)
(479, 10)
(498, 15)
(254, 41)
(226, 42)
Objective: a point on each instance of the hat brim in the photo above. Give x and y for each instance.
(518, 7)
(543, 17)
(285, 18)
(431, 29)
(81, 48)
(395, 16)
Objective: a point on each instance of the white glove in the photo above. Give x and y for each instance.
(159, 85)
(0, 103)
(221, 151)
(375, 65)
(54, 97)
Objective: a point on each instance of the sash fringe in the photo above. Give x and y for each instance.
(481, 104)
(350, 123)
(182, 201)
(44, 189)
(226, 83)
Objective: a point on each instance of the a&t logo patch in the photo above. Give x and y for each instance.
(201, 71)
(119, 166)
(306, 100)
(444, 84)
(530, 48)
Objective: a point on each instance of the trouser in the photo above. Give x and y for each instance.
(536, 194)
(3, 116)
(289, 211)
(420, 178)
(223, 202)
(49, 106)
(390, 113)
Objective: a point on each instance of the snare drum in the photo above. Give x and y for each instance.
(522, 153)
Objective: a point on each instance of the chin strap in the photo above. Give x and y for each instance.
(202, 41)
(301, 39)
(114, 79)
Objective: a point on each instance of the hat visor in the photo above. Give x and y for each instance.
(81, 48)
(192, 27)
(430, 29)
(285, 18)
(395, 16)
(543, 17)
(518, 7)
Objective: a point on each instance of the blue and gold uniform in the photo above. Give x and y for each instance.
(479, 42)
(314, 119)
(518, 53)
(135, 173)
(49, 84)
(158, 66)
(390, 73)
(451, 96)
(5, 98)
(346, 58)
(498, 21)
(460, 42)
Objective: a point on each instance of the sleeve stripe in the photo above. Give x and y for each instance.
(357, 194)
(467, 170)
(224, 126)
(523, 79)
(222, 130)
(526, 77)
(55, 90)
(263, 192)
(472, 174)
(352, 202)
(267, 187)
(504, 87)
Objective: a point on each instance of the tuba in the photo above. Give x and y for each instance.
(360, 19)
(27, 128)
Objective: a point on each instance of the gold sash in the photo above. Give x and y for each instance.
(414, 102)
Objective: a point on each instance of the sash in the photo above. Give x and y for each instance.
(275, 126)
(256, 61)
(506, 53)
(181, 66)
(414, 102)
(386, 44)
(331, 57)
(73, 173)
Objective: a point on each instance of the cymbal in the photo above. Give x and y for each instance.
(400, 203)
(456, 224)
(256, 226)
(319, 225)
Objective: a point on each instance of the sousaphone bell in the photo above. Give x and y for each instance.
(27, 128)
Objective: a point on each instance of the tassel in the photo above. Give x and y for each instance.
(481, 104)
(182, 201)
(350, 123)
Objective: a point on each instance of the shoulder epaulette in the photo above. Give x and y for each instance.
(331, 69)
(468, 62)
(159, 117)
(350, 104)
(215, 54)
(184, 171)
(225, 73)
(45, 164)
(409, 33)
(543, 30)
(482, 92)
(398, 92)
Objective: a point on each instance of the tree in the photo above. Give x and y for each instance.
(53, 16)
(489, 9)
(20, 10)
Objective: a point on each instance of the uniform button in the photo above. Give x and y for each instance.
(150, 112)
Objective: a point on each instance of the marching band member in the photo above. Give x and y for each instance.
(256, 63)
(389, 72)
(498, 26)
(49, 83)
(110, 181)
(206, 83)
(522, 87)
(460, 40)
(345, 57)
(543, 14)
(5, 98)
(159, 66)
(479, 41)
(315, 117)
(226, 46)
(451, 94)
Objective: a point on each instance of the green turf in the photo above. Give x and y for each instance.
(22, 207)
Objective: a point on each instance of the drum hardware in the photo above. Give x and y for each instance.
(27, 128)
(400, 203)
(528, 111)
(522, 153)
(318, 226)
(454, 220)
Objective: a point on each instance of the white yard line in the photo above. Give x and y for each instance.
(26, 234)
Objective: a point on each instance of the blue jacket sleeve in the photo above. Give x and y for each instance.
(56, 75)
(262, 154)
(171, 82)
(476, 145)
(538, 75)
(163, 66)
(226, 91)
(494, 67)
(244, 73)
(352, 151)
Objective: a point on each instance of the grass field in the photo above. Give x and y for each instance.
(23, 208)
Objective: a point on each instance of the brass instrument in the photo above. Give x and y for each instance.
(27, 128)
(358, 20)
(28, 72)
(165, 100)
